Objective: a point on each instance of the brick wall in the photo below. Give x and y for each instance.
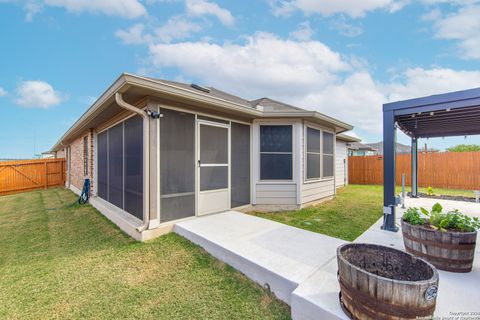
(61, 154)
(77, 174)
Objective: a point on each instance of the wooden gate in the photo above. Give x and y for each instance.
(26, 175)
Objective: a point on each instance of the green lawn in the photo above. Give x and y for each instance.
(442, 192)
(354, 210)
(69, 262)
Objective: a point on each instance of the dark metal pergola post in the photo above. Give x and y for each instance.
(414, 158)
(389, 133)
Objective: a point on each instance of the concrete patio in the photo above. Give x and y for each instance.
(300, 266)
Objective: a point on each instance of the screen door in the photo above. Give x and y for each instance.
(213, 167)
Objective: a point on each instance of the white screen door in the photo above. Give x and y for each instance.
(213, 167)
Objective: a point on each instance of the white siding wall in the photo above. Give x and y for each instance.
(317, 190)
(340, 166)
(276, 193)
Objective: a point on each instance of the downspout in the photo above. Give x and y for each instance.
(146, 158)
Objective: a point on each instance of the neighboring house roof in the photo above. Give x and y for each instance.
(135, 87)
(347, 138)
(361, 147)
(401, 148)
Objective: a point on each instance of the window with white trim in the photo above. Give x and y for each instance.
(276, 157)
(313, 155)
(327, 154)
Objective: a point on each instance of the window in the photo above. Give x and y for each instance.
(319, 159)
(313, 153)
(276, 152)
(85, 156)
(327, 155)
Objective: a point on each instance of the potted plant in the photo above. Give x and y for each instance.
(383, 283)
(445, 239)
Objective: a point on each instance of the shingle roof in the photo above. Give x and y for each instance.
(267, 103)
(213, 92)
(273, 105)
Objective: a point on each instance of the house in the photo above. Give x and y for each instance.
(343, 147)
(158, 151)
(360, 149)
(378, 146)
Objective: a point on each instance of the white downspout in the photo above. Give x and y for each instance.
(146, 158)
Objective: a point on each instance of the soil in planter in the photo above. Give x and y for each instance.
(388, 263)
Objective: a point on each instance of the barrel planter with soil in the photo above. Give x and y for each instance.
(446, 250)
(378, 282)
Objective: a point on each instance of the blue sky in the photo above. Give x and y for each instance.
(342, 58)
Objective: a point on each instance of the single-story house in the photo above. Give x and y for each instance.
(158, 151)
(342, 151)
(360, 149)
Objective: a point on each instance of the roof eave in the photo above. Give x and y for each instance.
(309, 114)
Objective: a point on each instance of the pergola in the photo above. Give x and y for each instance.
(449, 114)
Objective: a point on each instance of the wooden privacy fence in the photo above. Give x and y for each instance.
(27, 175)
(452, 170)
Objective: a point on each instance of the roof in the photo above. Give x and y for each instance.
(378, 146)
(449, 114)
(347, 138)
(134, 87)
(361, 146)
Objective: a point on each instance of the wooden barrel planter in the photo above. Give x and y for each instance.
(378, 282)
(449, 251)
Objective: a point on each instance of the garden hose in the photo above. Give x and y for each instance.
(85, 195)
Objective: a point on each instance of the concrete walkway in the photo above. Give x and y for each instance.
(272, 254)
(300, 266)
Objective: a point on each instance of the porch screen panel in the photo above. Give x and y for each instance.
(177, 165)
(115, 165)
(102, 165)
(240, 165)
(133, 137)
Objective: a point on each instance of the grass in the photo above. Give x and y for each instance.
(353, 211)
(69, 262)
(442, 192)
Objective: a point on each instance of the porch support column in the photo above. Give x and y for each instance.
(389, 137)
(414, 157)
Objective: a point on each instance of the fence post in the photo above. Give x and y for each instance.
(46, 175)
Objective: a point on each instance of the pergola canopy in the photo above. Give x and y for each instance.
(448, 114)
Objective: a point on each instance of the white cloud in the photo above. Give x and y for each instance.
(303, 33)
(263, 64)
(354, 9)
(305, 73)
(345, 28)
(123, 8)
(3, 92)
(175, 28)
(417, 82)
(202, 7)
(133, 35)
(37, 94)
(464, 27)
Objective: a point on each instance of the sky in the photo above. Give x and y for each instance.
(340, 57)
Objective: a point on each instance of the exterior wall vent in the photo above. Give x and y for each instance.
(199, 87)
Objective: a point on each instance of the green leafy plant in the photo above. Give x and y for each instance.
(413, 216)
(439, 220)
(430, 191)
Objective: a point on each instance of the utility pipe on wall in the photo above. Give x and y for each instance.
(146, 158)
